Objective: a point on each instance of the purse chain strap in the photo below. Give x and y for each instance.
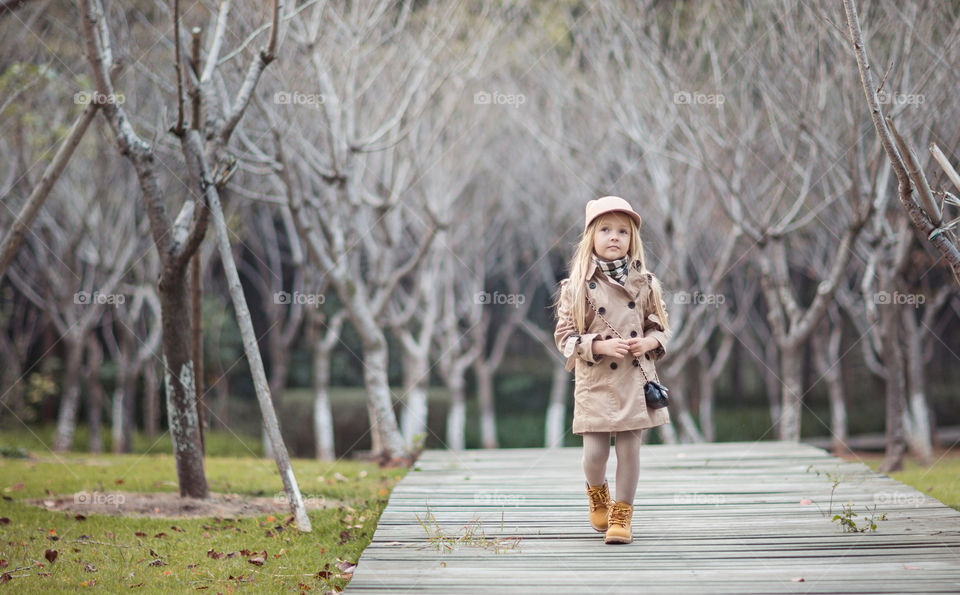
(619, 336)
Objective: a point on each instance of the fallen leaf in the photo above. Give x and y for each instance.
(5, 578)
(160, 535)
(339, 476)
(91, 583)
(258, 561)
(118, 481)
(167, 572)
(345, 566)
(215, 555)
(89, 567)
(271, 518)
(3, 563)
(344, 537)
(50, 555)
(177, 529)
(157, 562)
(4, 520)
(140, 534)
(79, 517)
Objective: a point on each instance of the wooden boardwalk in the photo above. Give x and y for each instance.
(709, 518)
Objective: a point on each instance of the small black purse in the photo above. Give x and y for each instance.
(656, 394)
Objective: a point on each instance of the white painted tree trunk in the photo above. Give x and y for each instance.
(556, 408)
(70, 402)
(485, 398)
(791, 392)
(322, 413)
(457, 414)
(414, 416)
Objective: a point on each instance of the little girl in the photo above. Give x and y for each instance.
(611, 325)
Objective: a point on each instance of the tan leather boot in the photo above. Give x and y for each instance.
(599, 497)
(619, 521)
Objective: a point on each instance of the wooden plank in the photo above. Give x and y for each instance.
(720, 518)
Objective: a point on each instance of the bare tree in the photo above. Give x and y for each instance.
(914, 190)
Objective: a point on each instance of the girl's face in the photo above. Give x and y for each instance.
(611, 239)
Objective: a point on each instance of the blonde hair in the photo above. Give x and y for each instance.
(580, 263)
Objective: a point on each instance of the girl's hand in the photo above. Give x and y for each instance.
(640, 345)
(611, 347)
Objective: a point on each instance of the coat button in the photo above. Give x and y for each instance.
(636, 362)
(632, 305)
(613, 365)
(633, 333)
(593, 285)
(602, 310)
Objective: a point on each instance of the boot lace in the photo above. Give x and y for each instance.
(619, 515)
(598, 496)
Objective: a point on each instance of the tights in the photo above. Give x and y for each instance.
(596, 451)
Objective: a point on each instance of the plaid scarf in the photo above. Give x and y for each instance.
(615, 269)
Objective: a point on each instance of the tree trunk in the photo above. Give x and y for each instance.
(91, 377)
(826, 355)
(279, 369)
(895, 389)
(121, 410)
(388, 442)
(151, 400)
(557, 407)
(416, 377)
(69, 403)
(920, 434)
(772, 382)
(180, 386)
(485, 398)
(457, 414)
(322, 412)
(707, 394)
(791, 373)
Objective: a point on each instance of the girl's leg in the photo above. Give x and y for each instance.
(596, 451)
(628, 465)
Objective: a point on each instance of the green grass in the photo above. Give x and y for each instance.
(122, 558)
(941, 480)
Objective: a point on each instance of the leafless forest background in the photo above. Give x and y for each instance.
(384, 195)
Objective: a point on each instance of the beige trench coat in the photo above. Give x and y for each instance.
(608, 391)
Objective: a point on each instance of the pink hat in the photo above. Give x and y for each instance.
(609, 204)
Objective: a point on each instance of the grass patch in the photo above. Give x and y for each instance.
(183, 554)
(941, 480)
